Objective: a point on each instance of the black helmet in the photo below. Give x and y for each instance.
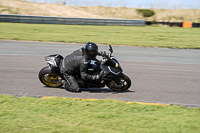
(91, 49)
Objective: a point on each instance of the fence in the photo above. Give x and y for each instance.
(68, 21)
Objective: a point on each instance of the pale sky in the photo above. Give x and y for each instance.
(167, 4)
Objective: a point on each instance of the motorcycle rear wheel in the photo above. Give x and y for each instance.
(124, 81)
(50, 78)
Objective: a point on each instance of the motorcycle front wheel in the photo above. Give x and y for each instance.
(125, 84)
(50, 77)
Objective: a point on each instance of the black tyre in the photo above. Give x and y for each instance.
(124, 81)
(50, 77)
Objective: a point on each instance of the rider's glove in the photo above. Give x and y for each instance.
(102, 54)
(99, 76)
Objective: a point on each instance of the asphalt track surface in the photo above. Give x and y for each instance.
(159, 75)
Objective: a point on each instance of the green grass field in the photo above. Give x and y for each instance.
(65, 115)
(148, 36)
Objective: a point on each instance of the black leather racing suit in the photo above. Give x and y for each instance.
(76, 63)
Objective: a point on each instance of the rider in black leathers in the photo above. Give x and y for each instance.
(77, 62)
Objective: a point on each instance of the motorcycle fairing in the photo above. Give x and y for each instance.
(53, 60)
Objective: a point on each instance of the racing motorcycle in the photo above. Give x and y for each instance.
(113, 76)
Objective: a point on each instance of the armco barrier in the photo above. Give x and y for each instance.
(68, 21)
(171, 24)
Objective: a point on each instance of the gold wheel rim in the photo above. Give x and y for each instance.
(125, 85)
(52, 80)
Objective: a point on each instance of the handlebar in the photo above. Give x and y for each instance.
(103, 54)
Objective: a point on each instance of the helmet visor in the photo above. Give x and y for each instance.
(92, 54)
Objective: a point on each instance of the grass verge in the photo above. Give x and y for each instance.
(149, 36)
(26, 114)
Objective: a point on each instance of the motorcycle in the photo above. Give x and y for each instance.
(113, 76)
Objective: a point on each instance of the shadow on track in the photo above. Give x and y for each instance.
(98, 90)
(103, 90)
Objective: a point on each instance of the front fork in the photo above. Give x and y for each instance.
(115, 78)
